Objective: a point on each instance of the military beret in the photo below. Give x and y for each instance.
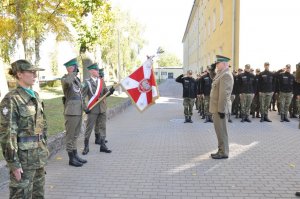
(93, 66)
(247, 66)
(221, 58)
(72, 62)
(267, 64)
(24, 65)
(288, 66)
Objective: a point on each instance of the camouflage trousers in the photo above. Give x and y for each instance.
(96, 122)
(285, 101)
(206, 105)
(265, 100)
(246, 100)
(31, 185)
(255, 104)
(188, 104)
(198, 103)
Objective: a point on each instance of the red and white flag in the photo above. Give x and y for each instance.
(96, 95)
(141, 86)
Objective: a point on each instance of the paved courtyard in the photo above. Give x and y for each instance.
(156, 155)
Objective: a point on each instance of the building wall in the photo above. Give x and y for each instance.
(218, 33)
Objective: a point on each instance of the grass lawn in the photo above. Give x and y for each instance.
(54, 109)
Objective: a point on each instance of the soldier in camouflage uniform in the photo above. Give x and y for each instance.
(285, 87)
(297, 92)
(73, 111)
(23, 134)
(255, 101)
(246, 85)
(97, 115)
(266, 87)
(206, 82)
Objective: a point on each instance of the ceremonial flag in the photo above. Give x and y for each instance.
(141, 86)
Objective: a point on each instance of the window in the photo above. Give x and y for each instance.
(221, 11)
(214, 20)
(164, 73)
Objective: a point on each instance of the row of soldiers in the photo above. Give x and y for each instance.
(253, 94)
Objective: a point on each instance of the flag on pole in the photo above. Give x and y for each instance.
(96, 95)
(141, 86)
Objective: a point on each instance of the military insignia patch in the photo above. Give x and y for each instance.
(4, 111)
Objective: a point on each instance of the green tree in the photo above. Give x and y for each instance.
(168, 59)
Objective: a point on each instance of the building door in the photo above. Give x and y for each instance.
(170, 75)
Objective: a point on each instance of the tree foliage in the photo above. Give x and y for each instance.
(168, 59)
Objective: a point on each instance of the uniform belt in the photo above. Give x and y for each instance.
(36, 138)
(74, 98)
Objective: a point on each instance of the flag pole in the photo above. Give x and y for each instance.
(104, 96)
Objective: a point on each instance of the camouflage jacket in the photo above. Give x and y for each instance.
(89, 89)
(72, 90)
(22, 117)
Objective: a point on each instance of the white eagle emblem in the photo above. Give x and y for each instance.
(5, 111)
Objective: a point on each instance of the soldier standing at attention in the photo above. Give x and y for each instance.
(189, 94)
(246, 85)
(219, 104)
(206, 82)
(95, 88)
(72, 110)
(266, 86)
(23, 134)
(285, 86)
(255, 101)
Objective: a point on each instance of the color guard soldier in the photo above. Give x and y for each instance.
(72, 111)
(94, 88)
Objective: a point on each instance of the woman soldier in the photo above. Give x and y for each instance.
(23, 134)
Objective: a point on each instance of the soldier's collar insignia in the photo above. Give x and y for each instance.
(5, 111)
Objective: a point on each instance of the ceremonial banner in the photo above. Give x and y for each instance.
(141, 86)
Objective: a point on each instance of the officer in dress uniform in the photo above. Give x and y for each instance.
(73, 109)
(285, 86)
(220, 103)
(94, 88)
(23, 134)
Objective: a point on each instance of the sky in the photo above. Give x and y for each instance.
(164, 20)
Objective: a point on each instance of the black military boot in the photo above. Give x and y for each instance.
(86, 147)
(243, 118)
(73, 161)
(247, 119)
(285, 118)
(103, 147)
(262, 118)
(210, 119)
(186, 120)
(229, 118)
(83, 161)
(266, 118)
(97, 139)
(257, 115)
(297, 193)
(281, 117)
(190, 119)
(206, 119)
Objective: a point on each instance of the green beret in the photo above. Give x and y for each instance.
(93, 66)
(221, 58)
(72, 62)
(24, 65)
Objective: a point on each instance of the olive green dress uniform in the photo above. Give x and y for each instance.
(73, 108)
(97, 116)
(220, 103)
(23, 138)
